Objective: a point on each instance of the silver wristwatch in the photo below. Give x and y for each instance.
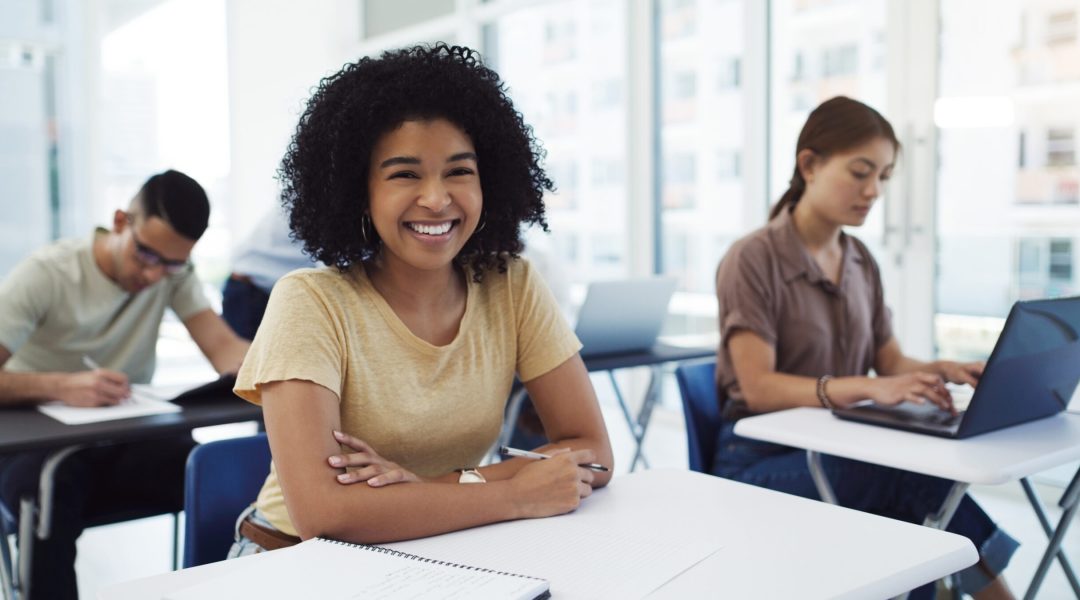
(470, 476)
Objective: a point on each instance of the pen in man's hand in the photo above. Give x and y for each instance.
(508, 451)
(90, 363)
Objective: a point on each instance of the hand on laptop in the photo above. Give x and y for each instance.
(917, 388)
(955, 372)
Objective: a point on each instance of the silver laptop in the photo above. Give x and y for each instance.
(623, 316)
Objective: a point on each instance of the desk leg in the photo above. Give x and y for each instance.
(42, 509)
(940, 520)
(821, 481)
(45, 488)
(652, 394)
(27, 510)
(1070, 501)
(513, 410)
(636, 429)
(7, 570)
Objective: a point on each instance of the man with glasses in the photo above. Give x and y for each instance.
(98, 303)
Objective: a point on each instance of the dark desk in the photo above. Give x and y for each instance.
(26, 428)
(655, 358)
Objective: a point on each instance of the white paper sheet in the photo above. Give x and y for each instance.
(145, 400)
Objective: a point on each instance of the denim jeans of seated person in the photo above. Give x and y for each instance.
(242, 546)
(884, 491)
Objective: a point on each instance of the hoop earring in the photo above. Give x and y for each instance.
(364, 221)
(483, 224)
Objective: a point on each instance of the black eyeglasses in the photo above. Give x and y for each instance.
(148, 257)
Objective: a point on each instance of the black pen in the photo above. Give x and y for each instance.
(508, 451)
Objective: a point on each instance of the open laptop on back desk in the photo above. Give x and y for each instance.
(623, 316)
(1031, 374)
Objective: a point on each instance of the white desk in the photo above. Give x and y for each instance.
(992, 458)
(773, 545)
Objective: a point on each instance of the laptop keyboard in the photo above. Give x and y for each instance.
(916, 413)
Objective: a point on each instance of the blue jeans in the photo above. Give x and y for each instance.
(242, 546)
(884, 491)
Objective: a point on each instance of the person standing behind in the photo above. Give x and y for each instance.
(803, 321)
(265, 256)
(103, 299)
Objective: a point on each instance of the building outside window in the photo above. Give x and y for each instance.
(1007, 188)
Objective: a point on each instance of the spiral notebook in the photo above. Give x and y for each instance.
(327, 569)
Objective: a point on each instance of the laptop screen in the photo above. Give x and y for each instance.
(623, 316)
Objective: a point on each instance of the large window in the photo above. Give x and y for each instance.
(165, 104)
(1007, 86)
(565, 65)
(821, 49)
(702, 135)
(673, 89)
(29, 139)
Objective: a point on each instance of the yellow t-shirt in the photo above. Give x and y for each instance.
(431, 409)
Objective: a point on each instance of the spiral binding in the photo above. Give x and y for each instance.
(424, 559)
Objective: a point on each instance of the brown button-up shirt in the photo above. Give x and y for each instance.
(769, 284)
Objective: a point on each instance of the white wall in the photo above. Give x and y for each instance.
(278, 50)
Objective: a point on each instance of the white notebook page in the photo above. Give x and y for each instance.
(331, 570)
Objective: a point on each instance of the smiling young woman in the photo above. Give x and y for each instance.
(803, 321)
(383, 377)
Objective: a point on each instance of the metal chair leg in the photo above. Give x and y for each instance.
(7, 572)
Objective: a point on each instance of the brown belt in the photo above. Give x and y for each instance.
(241, 278)
(271, 539)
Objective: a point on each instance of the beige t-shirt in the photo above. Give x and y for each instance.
(431, 409)
(58, 306)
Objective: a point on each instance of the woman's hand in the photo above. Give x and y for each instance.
(367, 465)
(917, 388)
(955, 372)
(553, 486)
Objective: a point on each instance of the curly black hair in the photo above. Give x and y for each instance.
(324, 173)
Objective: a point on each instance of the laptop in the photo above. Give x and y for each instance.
(623, 316)
(1031, 374)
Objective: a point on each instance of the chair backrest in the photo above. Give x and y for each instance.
(222, 478)
(697, 385)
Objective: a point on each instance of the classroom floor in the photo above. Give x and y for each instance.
(141, 548)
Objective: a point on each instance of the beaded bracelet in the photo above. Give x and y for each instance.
(822, 397)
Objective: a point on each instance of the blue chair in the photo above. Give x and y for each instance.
(697, 386)
(222, 478)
